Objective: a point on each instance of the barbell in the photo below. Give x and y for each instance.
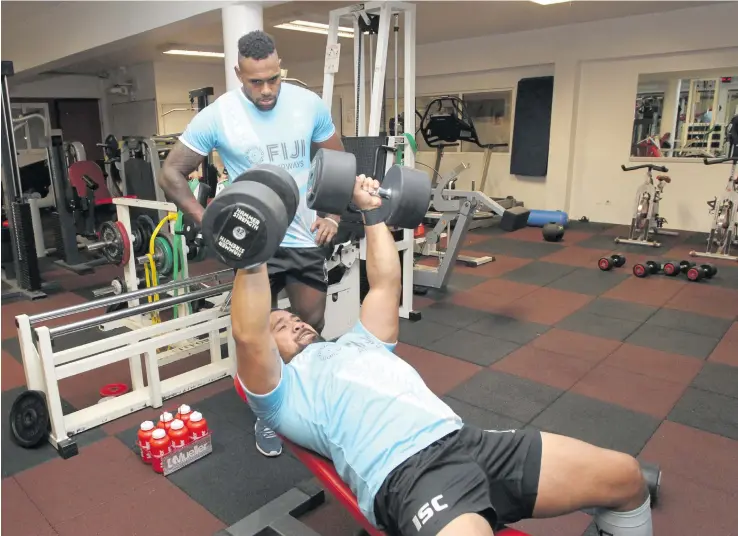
(245, 224)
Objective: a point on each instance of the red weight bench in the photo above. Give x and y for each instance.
(324, 471)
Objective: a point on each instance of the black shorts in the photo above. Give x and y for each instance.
(298, 265)
(491, 473)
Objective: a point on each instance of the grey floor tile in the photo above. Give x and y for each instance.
(674, 341)
(506, 394)
(452, 315)
(708, 326)
(481, 418)
(589, 281)
(619, 309)
(423, 332)
(602, 424)
(599, 326)
(473, 347)
(538, 273)
(507, 328)
(718, 378)
(707, 411)
(516, 248)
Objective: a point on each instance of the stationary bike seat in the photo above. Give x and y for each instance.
(664, 178)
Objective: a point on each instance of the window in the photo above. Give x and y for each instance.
(32, 133)
(490, 112)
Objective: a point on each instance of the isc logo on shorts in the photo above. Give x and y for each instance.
(427, 510)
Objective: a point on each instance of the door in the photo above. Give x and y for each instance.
(79, 120)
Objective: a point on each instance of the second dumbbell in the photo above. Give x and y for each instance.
(608, 263)
(644, 270)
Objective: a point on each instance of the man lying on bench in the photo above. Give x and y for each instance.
(414, 466)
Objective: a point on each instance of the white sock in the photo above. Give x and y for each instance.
(634, 523)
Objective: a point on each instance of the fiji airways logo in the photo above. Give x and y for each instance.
(288, 155)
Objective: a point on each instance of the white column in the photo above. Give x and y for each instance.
(238, 20)
(671, 106)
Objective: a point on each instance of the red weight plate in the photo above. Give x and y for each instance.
(113, 389)
(126, 243)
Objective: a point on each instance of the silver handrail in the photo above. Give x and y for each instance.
(139, 309)
(120, 298)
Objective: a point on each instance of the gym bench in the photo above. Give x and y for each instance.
(280, 515)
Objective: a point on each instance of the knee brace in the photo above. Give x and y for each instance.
(634, 523)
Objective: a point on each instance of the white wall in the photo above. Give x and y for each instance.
(174, 80)
(134, 114)
(596, 67)
(37, 38)
(59, 87)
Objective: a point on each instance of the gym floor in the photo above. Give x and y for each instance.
(539, 338)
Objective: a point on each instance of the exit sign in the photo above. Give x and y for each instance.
(726, 79)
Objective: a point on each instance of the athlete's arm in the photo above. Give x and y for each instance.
(258, 360)
(379, 312)
(180, 162)
(196, 142)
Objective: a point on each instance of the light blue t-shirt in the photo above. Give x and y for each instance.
(245, 136)
(357, 403)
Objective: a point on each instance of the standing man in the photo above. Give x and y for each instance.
(266, 121)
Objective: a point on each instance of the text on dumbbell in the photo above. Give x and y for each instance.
(230, 247)
(247, 219)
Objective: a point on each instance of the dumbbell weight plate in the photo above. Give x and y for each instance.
(279, 180)
(147, 226)
(672, 269)
(139, 248)
(409, 198)
(619, 261)
(164, 254)
(245, 224)
(117, 248)
(331, 181)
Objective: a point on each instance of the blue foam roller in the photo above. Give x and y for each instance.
(539, 218)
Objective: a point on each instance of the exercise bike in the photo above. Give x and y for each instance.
(646, 220)
(724, 231)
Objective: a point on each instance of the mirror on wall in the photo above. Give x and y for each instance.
(684, 114)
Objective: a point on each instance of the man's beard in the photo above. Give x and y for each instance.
(316, 339)
(260, 106)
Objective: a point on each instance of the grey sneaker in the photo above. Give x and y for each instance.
(267, 441)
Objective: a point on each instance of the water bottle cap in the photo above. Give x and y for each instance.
(159, 434)
(147, 425)
(177, 424)
(166, 416)
(184, 408)
(196, 416)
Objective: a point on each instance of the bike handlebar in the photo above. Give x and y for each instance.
(733, 159)
(652, 167)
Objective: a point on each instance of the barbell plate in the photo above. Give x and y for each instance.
(244, 224)
(139, 248)
(117, 249)
(330, 184)
(410, 196)
(29, 419)
(278, 179)
(147, 227)
(164, 254)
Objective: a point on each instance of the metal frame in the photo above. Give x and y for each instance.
(388, 12)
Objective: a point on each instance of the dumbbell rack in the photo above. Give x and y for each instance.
(45, 365)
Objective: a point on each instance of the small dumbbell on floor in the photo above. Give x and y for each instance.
(704, 271)
(644, 270)
(613, 261)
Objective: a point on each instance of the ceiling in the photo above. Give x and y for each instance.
(436, 22)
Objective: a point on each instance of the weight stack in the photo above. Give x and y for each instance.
(58, 239)
(29, 275)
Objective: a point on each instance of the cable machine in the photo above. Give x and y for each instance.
(21, 276)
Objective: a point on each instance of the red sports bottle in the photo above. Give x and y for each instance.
(178, 434)
(144, 438)
(161, 445)
(183, 413)
(165, 420)
(197, 426)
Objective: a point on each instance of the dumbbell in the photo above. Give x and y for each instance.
(704, 271)
(246, 222)
(608, 263)
(673, 269)
(644, 270)
(406, 192)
